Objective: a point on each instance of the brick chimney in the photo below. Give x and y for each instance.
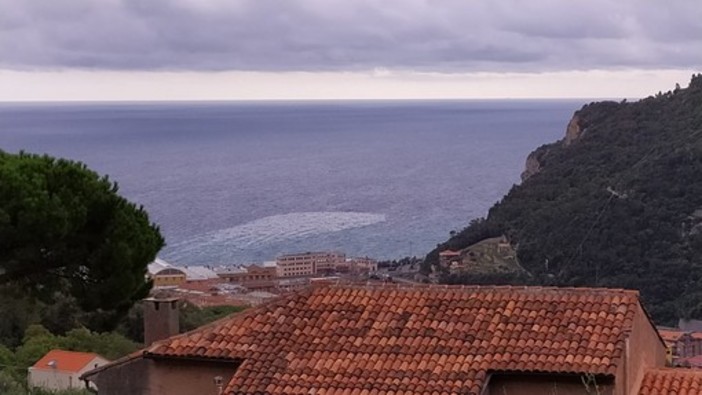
(161, 319)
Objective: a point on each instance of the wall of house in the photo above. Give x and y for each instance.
(644, 350)
(128, 378)
(522, 384)
(189, 378)
(60, 380)
(53, 379)
(163, 377)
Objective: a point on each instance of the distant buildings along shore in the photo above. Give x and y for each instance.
(251, 284)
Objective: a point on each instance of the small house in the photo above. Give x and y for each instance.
(61, 370)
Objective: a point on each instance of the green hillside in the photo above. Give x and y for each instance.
(617, 203)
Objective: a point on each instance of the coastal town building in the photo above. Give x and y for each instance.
(309, 263)
(286, 285)
(401, 339)
(487, 256)
(61, 370)
(199, 273)
(448, 258)
(163, 274)
(682, 347)
(252, 277)
(364, 264)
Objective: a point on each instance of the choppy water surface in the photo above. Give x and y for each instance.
(237, 182)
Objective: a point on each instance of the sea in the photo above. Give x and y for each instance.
(242, 182)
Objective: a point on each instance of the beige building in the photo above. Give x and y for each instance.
(61, 370)
(170, 277)
(309, 263)
(163, 274)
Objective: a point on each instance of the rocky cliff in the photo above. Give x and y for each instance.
(574, 131)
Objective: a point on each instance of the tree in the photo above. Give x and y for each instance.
(64, 230)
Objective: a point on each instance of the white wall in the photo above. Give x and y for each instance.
(54, 379)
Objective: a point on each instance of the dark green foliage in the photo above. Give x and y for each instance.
(617, 208)
(38, 341)
(486, 279)
(64, 230)
(132, 326)
(192, 317)
(478, 229)
(17, 314)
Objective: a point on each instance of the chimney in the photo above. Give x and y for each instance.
(161, 319)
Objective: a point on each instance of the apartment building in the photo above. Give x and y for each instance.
(309, 263)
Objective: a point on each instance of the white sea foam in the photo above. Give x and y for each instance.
(278, 228)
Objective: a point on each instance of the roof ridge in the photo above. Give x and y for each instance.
(369, 285)
(283, 299)
(73, 351)
(672, 369)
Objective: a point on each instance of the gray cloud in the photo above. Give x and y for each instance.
(316, 35)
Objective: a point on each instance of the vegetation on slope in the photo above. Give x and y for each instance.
(618, 206)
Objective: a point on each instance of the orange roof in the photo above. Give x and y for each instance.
(413, 339)
(449, 253)
(671, 382)
(68, 361)
(670, 335)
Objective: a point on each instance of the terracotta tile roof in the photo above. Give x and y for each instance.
(670, 335)
(413, 340)
(68, 361)
(671, 382)
(449, 253)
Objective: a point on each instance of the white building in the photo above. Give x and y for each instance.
(157, 265)
(199, 273)
(61, 370)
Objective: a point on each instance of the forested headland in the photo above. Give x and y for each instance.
(616, 203)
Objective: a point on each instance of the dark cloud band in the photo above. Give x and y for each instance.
(335, 35)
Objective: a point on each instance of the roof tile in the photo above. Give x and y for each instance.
(68, 361)
(671, 382)
(411, 340)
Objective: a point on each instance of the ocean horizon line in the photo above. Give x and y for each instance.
(305, 101)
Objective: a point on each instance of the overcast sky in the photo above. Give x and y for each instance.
(257, 49)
